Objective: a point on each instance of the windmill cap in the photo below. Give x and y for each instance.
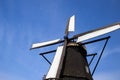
(75, 44)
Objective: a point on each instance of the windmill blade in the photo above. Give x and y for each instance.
(71, 25)
(97, 32)
(48, 43)
(52, 73)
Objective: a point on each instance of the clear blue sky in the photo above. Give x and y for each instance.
(23, 22)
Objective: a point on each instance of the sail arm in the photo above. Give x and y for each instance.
(70, 25)
(97, 32)
(44, 44)
(52, 73)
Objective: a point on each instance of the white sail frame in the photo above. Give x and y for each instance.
(55, 64)
(37, 45)
(98, 32)
(71, 25)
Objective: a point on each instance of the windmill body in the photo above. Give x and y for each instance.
(75, 66)
(70, 60)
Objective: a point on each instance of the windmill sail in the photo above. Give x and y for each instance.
(43, 44)
(98, 32)
(71, 25)
(55, 64)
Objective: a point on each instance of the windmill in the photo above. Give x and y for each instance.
(70, 61)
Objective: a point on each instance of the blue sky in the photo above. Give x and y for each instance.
(24, 22)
